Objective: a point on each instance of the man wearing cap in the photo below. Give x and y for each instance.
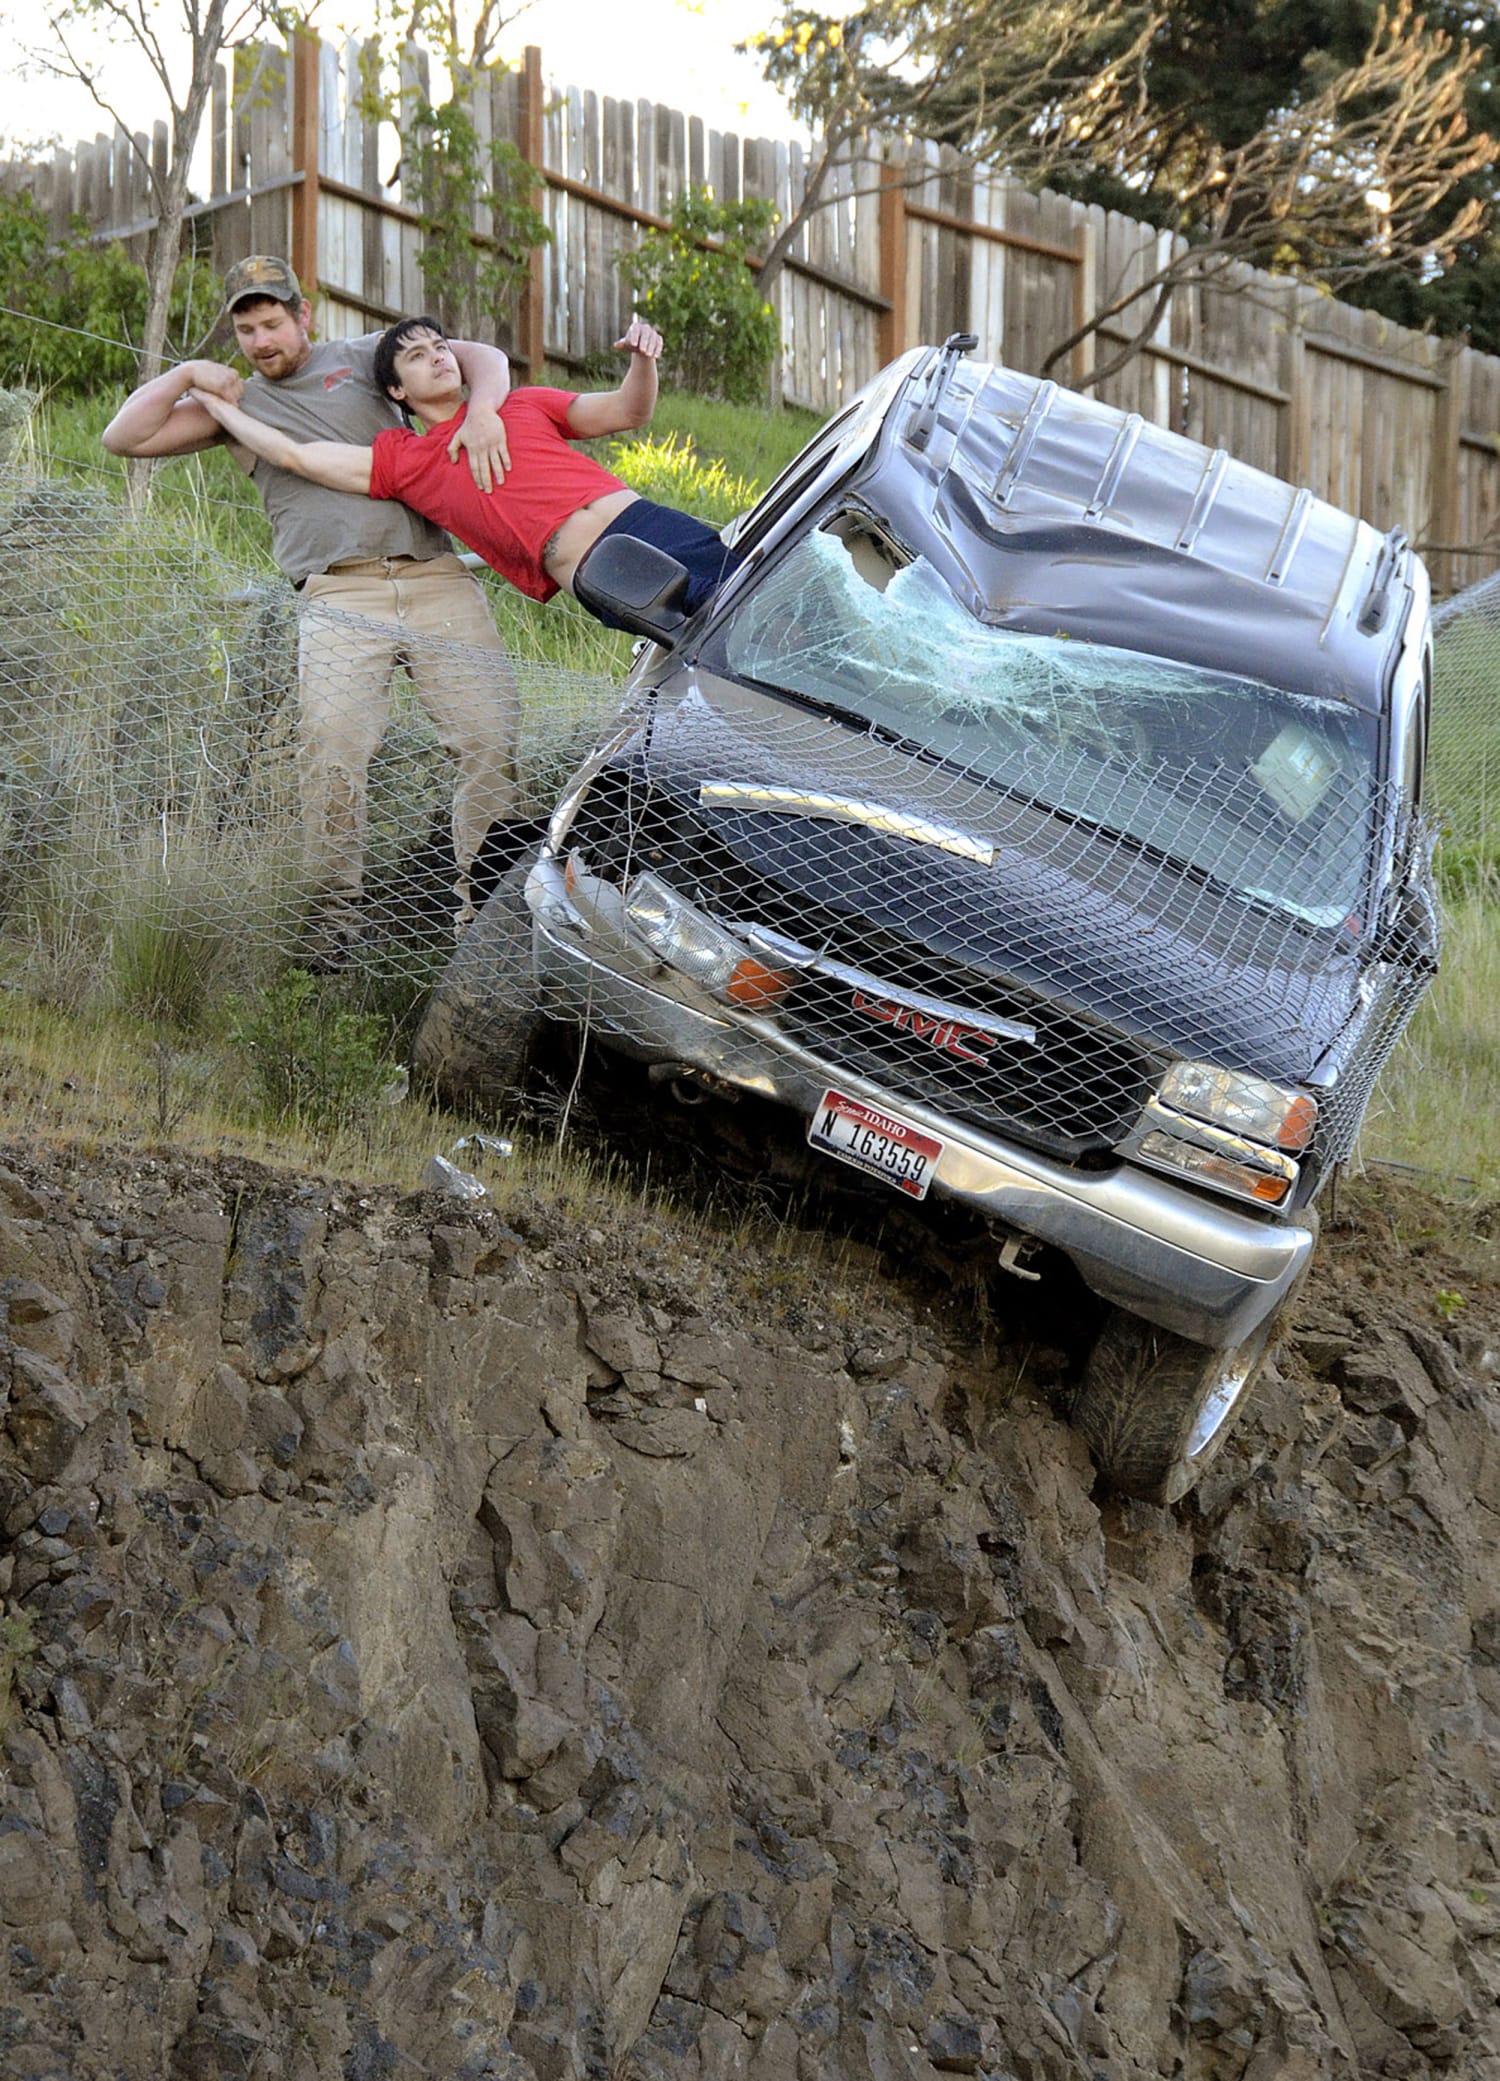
(380, 586)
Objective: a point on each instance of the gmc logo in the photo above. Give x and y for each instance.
(969, 1043)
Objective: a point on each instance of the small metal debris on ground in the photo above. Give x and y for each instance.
(491, 1144)
(443, 1175)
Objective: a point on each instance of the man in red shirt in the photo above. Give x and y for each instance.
(555, 503)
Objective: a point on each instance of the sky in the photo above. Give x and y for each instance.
(676, 51)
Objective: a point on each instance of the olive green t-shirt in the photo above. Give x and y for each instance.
(332, 397)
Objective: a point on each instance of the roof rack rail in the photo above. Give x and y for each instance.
(1378, 599)
(924, 418)
(1009, 473)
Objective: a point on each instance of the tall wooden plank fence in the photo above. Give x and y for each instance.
(917, 243)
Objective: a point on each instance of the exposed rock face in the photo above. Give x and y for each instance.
(464, 1647)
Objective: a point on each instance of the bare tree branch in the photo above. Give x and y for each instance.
(1008, 79)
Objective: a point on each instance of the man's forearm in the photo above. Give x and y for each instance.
(148, 413)
(267, 442)
(638, 391)
(338, 465)
(485, 370)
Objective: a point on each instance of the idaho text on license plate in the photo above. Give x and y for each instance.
(874, 1141)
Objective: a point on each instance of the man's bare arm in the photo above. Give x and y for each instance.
(160, 418)
(340, 465)
(486, 374)
(617, 411)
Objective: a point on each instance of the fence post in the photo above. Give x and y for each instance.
(891, 332)
(306, 124)
(1085, 300)
(531, 345)
(1294, 428)
(1446, 519)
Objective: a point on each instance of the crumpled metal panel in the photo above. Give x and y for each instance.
(1044, 508)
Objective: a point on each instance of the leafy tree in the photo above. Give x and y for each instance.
(1215, 72)
(1334, 138)
(693, 283)
(1015, 81)
(1372, 170)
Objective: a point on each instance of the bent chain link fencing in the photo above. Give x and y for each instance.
(149, 741)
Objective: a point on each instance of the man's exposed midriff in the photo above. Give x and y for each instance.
(580, 531)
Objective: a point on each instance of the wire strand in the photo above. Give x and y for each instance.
(80, 332)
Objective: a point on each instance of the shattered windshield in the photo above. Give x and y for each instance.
(1267, 792)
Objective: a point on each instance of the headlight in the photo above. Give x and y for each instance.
(1222, 1128)
(1245, 1105)
(699, 948)
(1262, 1175)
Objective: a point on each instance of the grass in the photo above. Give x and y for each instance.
(93, 1080)
(752, 441)
(1465, 779)
(1435, 1109)
(94, 1083)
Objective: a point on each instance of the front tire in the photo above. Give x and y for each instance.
(1156, 1409)
(480, 1030)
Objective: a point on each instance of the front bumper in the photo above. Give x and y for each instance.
(1209, 1271)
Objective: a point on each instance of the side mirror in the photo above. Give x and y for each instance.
(633, 585)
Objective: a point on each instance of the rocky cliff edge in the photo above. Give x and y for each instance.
(447, 1642)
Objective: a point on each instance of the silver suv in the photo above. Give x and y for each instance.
(1034, 815)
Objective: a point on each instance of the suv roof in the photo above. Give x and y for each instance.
(1055, 513)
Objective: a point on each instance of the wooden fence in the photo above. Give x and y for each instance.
(1400, 426)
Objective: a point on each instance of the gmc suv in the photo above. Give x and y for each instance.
(1034, 814)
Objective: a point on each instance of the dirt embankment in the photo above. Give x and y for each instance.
(453, 1645)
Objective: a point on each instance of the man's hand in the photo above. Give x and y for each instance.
(213, 379)
(210, 401)
(641, 338)
(596, 412)
(482, 436)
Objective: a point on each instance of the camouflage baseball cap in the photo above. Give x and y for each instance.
(262, 274)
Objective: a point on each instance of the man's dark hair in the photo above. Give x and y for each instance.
(390, 343)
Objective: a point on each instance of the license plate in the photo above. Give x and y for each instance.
(878, 1142)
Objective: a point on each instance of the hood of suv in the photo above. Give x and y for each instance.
(899, 868)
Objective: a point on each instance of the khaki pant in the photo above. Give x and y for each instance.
(357, 624)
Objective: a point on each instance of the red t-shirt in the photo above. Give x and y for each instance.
(547, 481)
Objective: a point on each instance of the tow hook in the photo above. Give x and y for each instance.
(1013, 1250)
(689, 1085)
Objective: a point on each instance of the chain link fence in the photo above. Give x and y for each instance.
(152, 842)
(1466, 717)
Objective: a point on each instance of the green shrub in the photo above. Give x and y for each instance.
(720, 332)
(90, 299)
(316, 1064)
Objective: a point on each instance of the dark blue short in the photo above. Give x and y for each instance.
(697, 547)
